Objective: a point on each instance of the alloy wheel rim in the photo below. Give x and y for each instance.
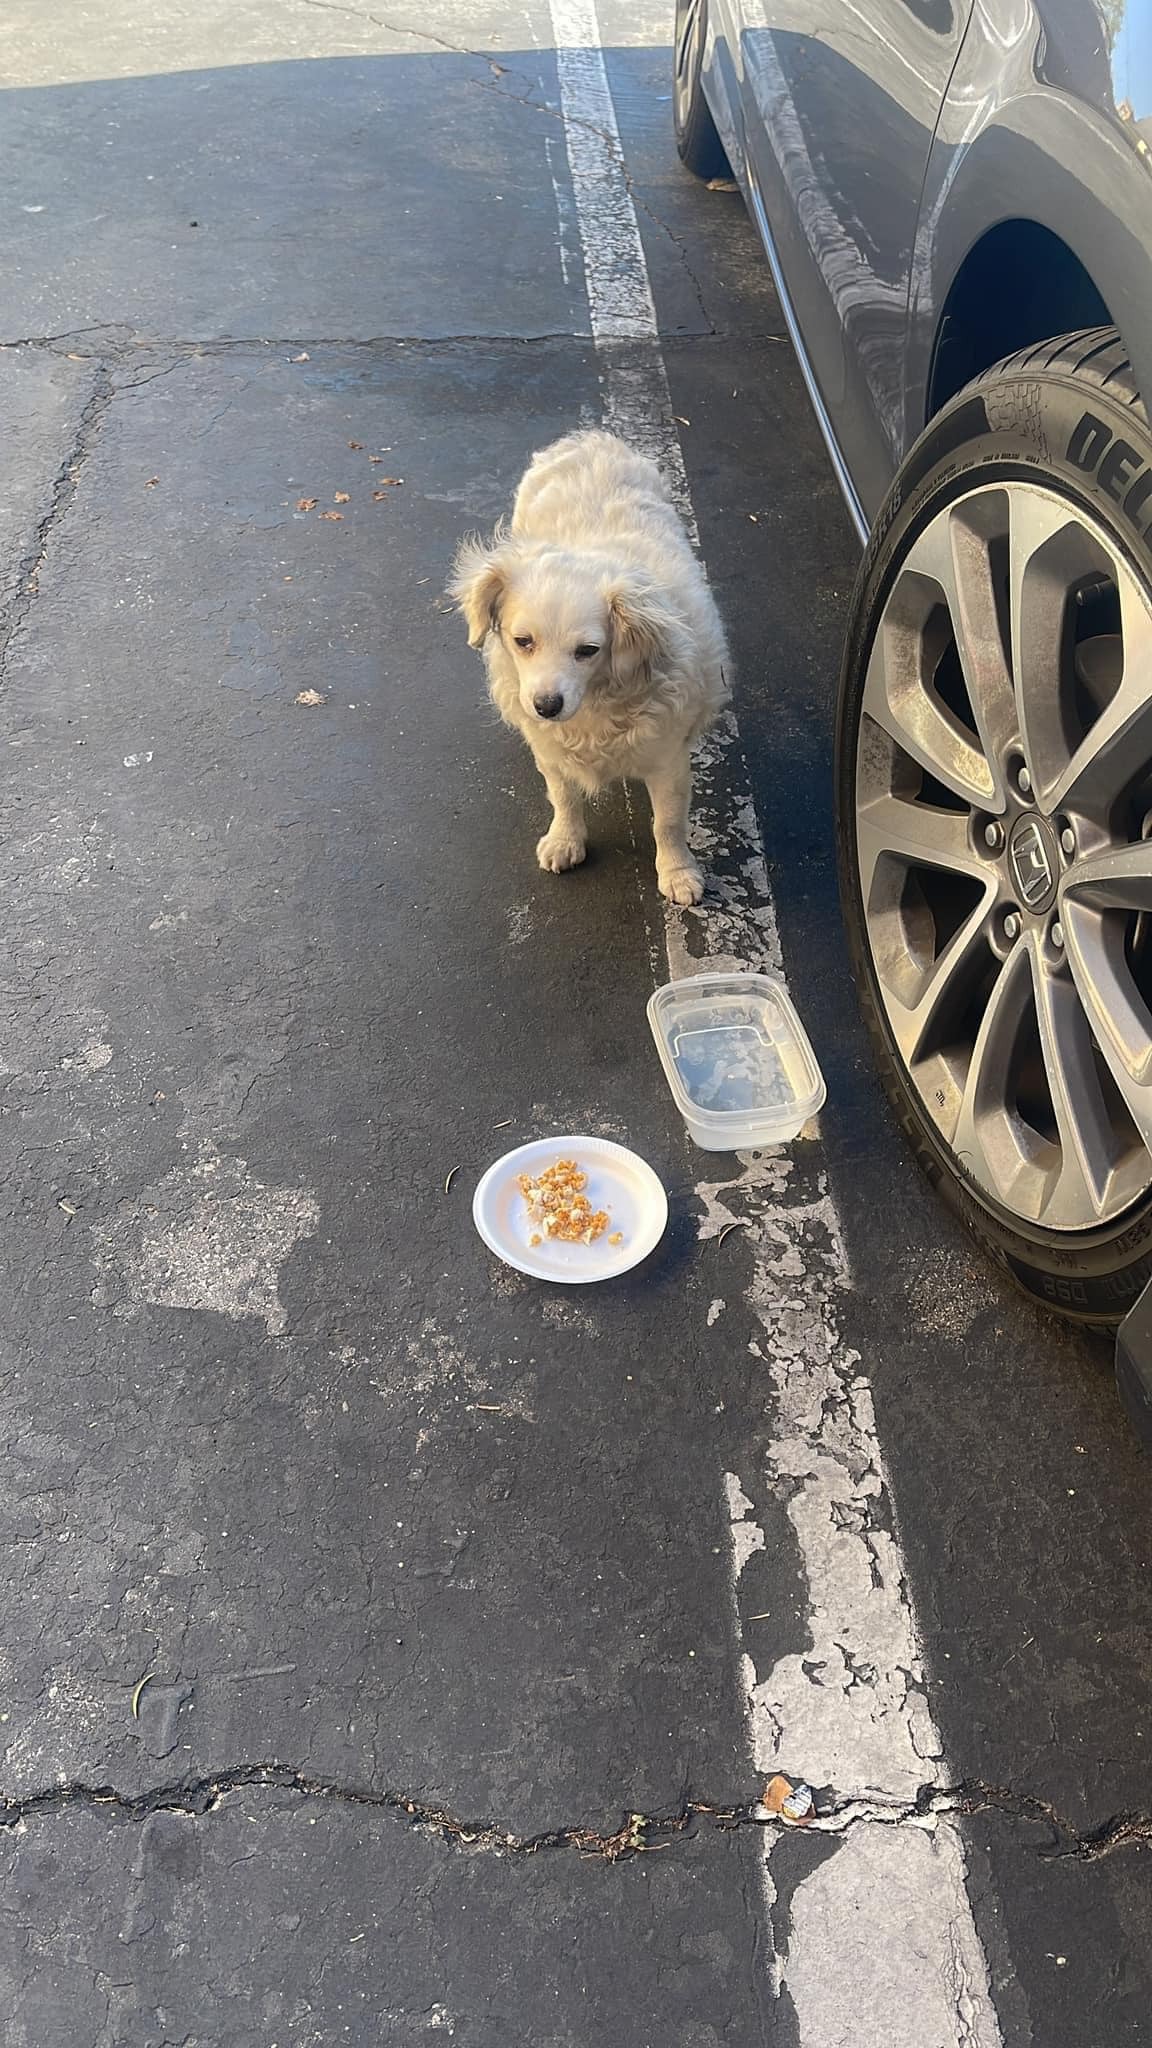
(1004, 839)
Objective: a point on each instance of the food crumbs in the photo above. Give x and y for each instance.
(617, 1237)
(331, 515)
(535, 1239)
(557, 1202)
(306, 504)
(355, 444)
(310, 697)
(341, 497)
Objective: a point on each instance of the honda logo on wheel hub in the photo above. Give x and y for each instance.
(1034, 863)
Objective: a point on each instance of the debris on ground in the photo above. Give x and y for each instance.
(741, 1223)
(307, 504)
(452, 1172)
(341, 497)
(150, 483)
(331, 515)
(793, 1802)
(310, 697)
(137, 1691)
(355, 444)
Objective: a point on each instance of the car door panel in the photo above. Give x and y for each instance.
(841, 99)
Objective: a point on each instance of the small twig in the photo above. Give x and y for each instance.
(504, 1126)
(452, 1172)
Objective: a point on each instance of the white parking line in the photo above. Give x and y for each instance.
(882, 1949)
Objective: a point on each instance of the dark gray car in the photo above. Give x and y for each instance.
(956, 201)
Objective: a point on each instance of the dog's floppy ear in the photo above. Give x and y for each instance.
(479, 575)
(643, 629)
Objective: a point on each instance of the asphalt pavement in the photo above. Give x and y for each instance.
(384, 1652)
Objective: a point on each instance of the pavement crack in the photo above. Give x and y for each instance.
(406, 28)
(639, 1834)
(974, 1796)
(27, 579)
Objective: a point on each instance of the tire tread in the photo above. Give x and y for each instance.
(1093, 355)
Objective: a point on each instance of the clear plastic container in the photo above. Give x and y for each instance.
(737, 1058)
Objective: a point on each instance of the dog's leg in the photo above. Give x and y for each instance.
(566, 842)
(670, 789)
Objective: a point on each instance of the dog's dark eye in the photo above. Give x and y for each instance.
(585, 653)
(524, 640)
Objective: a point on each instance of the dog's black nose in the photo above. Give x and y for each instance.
(549, 706)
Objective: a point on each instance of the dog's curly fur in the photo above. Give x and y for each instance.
(602, 642)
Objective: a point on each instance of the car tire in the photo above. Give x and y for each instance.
(697, 138)
(1025, 1108)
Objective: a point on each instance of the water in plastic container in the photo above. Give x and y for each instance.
(737, 1058)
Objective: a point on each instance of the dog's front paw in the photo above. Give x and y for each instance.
(560, 850)
(681, 885)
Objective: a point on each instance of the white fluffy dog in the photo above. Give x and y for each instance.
(602, 642)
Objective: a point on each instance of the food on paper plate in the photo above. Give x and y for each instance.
(559, 1208)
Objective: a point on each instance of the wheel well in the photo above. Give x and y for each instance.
(1019, 284)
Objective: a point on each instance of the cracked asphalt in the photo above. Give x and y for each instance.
(370, 1666)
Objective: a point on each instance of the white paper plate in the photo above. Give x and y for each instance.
(618, 1181)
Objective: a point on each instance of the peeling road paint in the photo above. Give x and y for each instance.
(882, 1945)
(209, 1236)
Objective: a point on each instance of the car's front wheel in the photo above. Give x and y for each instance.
(995, 815)
(697, 137)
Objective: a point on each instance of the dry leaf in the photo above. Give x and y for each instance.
(331, 515)
(341, 497)
(355, 444)
(306, 504)
(310, 697)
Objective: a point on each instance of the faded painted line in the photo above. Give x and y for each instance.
(208, 1236)
(882, 1946)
